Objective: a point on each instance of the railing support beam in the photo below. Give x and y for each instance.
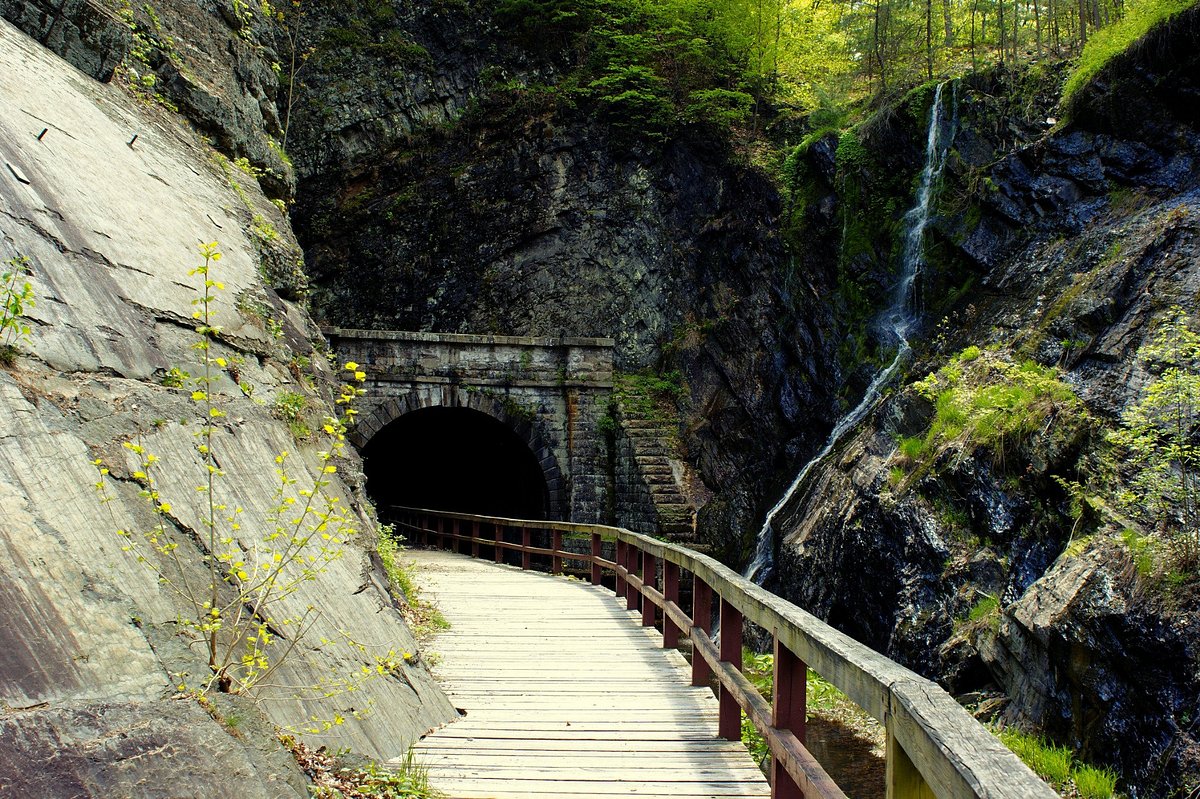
(619, 587)
(649, 580)
(527, 542)
(729, 723)
(788, 712)
(631, 566)
(670, 594)
(702, 621)
(596, 572)
(902, 778)
(556, 560)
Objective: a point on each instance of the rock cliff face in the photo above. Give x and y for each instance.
(1064, 245)
(91, 653)
(469, 206)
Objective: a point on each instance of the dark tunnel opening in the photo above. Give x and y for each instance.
(454, 459)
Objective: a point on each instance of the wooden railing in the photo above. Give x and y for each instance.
(934, 747)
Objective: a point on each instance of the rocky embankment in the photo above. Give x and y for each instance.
(107, 194)
(1064, 244)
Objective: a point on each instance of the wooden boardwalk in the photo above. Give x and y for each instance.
(566, 695)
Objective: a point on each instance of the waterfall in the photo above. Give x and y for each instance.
(897, 320)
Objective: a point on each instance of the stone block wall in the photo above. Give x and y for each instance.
(552, 392)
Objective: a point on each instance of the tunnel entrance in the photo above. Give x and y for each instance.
(454, 459)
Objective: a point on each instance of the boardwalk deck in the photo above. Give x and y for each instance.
(566, 695)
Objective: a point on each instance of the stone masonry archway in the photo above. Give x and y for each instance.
(552, 393)
(526, 429)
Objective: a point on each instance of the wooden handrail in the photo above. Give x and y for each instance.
(934, 747)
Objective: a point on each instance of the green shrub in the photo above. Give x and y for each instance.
(912, 447)
(235, 611)
(175, 378)
(16, 297)
(983, 399)
(1157, 445)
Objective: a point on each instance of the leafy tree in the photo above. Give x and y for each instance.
(1160, 437)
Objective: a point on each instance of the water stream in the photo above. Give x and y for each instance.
(897, 320)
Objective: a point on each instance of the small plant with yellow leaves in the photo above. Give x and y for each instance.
(16, 296)
(236, 608)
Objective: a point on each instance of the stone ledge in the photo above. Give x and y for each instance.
(466, 383)
(468, 338)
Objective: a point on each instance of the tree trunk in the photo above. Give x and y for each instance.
(1004, 30)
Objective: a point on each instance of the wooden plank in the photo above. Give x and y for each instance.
(566, 695)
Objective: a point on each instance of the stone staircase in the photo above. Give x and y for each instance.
(652, 479)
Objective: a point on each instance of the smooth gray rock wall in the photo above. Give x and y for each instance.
(85, 632)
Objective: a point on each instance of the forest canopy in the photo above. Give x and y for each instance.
(651, 61)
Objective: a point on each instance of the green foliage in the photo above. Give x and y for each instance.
(1095, 783)
(1108, 42)
(16, 297)
(1050, 762)
(1141, 548)
(1056, 765)
(633, 97)
(292, 408)
(721, 107)
(912, 447)
(754, 741)
(423, 618)
(651, 396)
(983, 400)
(1159, 439)
(331, 780)
(176, 378)
(236, 611)
(985, 608)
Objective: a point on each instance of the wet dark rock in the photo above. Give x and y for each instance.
(1085, 656)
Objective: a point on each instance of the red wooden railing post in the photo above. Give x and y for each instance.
(670, 594)
(631, 564)
(435, 524)
(498, 534)
(596, 573)
(619, 587)
(789, 712)
(527, 542)
(649, 580)
(701, 618)
(556, 559)
(455, 541)
(474, 539)
(729, 724)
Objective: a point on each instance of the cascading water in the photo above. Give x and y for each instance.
(897, 320)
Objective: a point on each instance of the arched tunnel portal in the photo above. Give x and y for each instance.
(458, 459)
